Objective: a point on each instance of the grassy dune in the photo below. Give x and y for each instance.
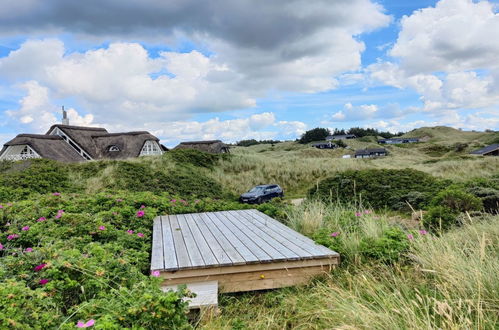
(447, 282)
(298, 167)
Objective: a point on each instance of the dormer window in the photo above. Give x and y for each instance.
(114, 148)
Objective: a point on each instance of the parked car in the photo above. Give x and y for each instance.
(261, 194)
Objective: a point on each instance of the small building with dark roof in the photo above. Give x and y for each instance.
(325, 145)
(371, 153)
(211, 146)
(68, 143)
(398, 140)
(340, 137)
(491, 150)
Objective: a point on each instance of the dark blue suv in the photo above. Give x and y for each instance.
(261, 194)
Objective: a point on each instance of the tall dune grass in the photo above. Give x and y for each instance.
(451, 282)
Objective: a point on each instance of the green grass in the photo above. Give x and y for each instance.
(447, 282)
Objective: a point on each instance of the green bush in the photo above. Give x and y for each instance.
(388, 248)
(194, 157)
(316, 134)
(457, 200)
(380, 188)
(35, 175)
(440, 218)
(487, 190)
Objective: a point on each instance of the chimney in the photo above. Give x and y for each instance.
(65, 120)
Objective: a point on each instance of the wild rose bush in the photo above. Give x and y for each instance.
(66, 258)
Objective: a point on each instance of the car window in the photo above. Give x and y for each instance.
(256, 189)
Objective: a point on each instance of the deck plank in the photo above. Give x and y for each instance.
(206, 252)
(235, 243)
(245, 237)
(169, 253)
(261, 239)
(178, 239)
(277, 235)
(190, 243)
(157, 260)
(227, 247)
(308, 243)
(218, 251)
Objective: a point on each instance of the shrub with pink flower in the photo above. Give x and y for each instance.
(1, 246)
(12, 237)
(28, 250)
(140, 214)
(129, 232)
(56, 194)
(102, 228)
(43, 281)
(155, 273)
(358, 214)
(39, 267)
(334, 234)
(41, 219)
(59, 214)
(410, 237)
(25, 228)
(87, 324)
(140, 234)
(423, 232)
(142, 206)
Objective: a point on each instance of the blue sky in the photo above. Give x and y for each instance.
(237, 70)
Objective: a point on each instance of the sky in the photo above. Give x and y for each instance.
(233, 70)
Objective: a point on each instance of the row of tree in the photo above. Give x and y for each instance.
(320, 134)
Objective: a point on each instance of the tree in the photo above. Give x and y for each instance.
(316, 134)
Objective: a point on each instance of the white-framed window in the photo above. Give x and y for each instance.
(151, 148)
(20, 152)
(113, 148)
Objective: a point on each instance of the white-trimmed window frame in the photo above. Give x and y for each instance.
(151, 148)
(19, 152)
(73, 144)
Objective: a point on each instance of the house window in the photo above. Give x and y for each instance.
(19, 152)
(114, 148)
(150, 148)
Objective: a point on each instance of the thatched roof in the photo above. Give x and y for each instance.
(47, 146)
(129, 144)
(83, 136)
(93, 140)
(212, 146)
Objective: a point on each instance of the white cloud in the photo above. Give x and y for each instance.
(258, 126)
(353, 113)
(448, 55)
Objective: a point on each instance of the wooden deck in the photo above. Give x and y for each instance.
(241, 250)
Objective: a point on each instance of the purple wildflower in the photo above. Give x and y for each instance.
(25, 228)
(41, 219)
(336, 233)
(140, 214)
(410, 237)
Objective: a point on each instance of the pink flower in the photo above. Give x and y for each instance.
(1, 246)
(410, 237)
(140, 234)
(88, 324)
(155, 273)
(140, 214)
(43, 281)
(102, 228)
(41, 219)
(1, 206)
(56, 194)
(335, 234)
(129, 231)
(25, 228)
(367, 211)
(28, 250)
(173, 201)
(59, 214)
(423, 232)
(358, 214)
(142, 206)
(12, 236)
(39, 267)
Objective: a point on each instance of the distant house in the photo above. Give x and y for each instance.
(340, 137)
(67, 143)
(325, 145)
(213, 146)
(398, 140)
(371, 153)
(492, 150)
